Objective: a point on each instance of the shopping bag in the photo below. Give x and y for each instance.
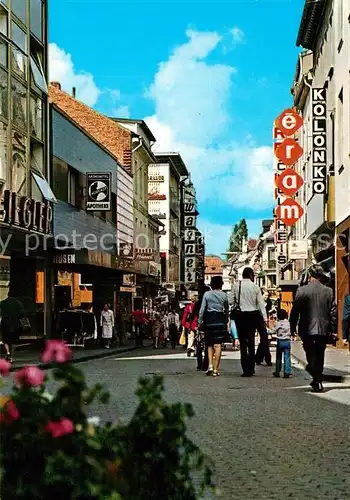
(182, 340)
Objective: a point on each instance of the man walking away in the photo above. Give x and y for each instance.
(173, 327)
(346, 320)
(11, 312)
(248, 298)
(315, 314)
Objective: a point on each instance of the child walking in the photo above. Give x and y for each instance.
(283, 335)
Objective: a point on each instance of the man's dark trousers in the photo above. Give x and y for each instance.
(247, 323)
(315, 347)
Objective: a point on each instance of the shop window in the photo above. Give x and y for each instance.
(3, 93)
(36, 18)
(3, 21)
(19, 63)
(19, 8)
(3, 53)
(38, 78)
(36, 117)
(19, 163)
(19, 104)
(18, 36)
(60, 179)
(3, 153)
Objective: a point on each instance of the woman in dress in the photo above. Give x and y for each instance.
(107, 325)
(213, 315)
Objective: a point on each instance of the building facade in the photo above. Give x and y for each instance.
(324, 64)
(164, 202)
(26, 198)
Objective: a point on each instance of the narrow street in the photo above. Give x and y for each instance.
(269, 438)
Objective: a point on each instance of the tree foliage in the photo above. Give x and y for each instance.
(239, 232)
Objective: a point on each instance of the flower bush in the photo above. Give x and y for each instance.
(52, 450)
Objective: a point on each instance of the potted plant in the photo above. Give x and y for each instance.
(52, 450)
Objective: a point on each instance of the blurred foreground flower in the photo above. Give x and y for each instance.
(5, 367)
(57, 352)
(9, 413)
(30, 376)
(60, 428)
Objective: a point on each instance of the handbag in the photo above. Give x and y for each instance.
(182, 340)
(236, 308)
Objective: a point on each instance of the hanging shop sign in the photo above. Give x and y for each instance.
(319, 141)
(99, 191)
(289, 212)
(144, 254)
(126, 250)
(288, 123)
(190, 221)
(289, 182)
(27, 213)
(298, 249)
(288, 152)
(189, 208)
(190, 270)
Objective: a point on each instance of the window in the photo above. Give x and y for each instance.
(19, 63)
(18, 36)
(37, 156)
(3, 52)
(19, 104)
(3, 21)
(3, 93)
(60, 179)
(19, 163)
(72, 186)
(36, 16)
(36, 117)
(38, 78)
(44, 187)
(18, 7)
(136, 178)
(3, 152)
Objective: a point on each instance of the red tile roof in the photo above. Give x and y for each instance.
(113, 137)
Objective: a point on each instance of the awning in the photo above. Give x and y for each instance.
(44, 187)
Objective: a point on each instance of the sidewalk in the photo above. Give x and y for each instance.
(337, 362)
(32, 357)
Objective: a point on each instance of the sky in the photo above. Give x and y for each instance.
(209, 77)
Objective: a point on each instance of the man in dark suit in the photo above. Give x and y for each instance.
(315, 314)
(346, 318)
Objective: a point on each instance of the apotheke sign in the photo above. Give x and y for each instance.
(27, 213)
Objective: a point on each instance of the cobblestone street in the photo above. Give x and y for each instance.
(269, 438)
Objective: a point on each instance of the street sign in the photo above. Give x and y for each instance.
(289, 122)
(288, 152)
(289, 212)
(289, 182)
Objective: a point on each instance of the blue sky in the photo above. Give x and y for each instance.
(209, 77)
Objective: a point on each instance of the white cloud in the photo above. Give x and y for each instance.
(121, 112)
(61, 69)
(192, 98)
(237, 35)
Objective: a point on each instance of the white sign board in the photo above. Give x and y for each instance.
(190, 221)
(190, 235)
(298, 249)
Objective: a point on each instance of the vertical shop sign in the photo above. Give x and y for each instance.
(319, 141)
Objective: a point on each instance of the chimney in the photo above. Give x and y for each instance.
(74, 92)
(57, 85)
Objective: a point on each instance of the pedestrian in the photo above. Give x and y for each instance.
(173, 326)
(156, 330)
(213, 318)
(12, 324)
(199, 342)
(140, 322)
(247, 300)
(315, 315)
(186, 321)
(283, 335)
(346, 320)
(263, 351)
(234, 335)
(107, 325)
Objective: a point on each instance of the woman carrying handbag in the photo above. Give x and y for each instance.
(213, 319)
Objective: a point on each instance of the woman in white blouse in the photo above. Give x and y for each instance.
(107, 324)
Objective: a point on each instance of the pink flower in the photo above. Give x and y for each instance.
(10, 413)
(30, 376)
(60, 428)
(56, 351)
(5, 367)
